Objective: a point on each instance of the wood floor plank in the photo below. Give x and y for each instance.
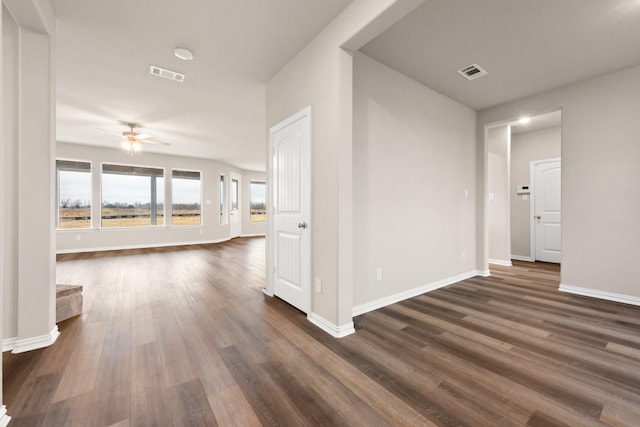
(184, 336)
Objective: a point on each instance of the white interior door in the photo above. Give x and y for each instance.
(235, 213)
(546, 211)
(290, 235)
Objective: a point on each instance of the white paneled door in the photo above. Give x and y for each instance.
(290, 233)
(546, 211)
(235, 213)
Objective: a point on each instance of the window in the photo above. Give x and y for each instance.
(132, 196)
(186, 198)
(223, 205)
(74, 194)
(257, 201)
(234, 194)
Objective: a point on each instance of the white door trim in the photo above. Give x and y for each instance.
(269, 290)
(532, 204)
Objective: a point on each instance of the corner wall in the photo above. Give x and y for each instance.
(414, 187)
(321, 76)
(600, 180)
(498, 195)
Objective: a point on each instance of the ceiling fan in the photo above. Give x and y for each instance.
(132, 140)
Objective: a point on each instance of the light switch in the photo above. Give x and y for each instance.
(492, 197)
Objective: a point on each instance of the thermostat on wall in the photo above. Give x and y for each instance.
(522, 189)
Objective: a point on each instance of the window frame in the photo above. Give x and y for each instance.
(222, 196)
(91, 216)
(264, 183)
(201, 181)
(164, 203)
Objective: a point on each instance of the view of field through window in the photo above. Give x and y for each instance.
(186, 198)
(257, 201)
(74, 194)
(132, 196)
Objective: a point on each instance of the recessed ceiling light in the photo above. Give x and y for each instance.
(524, 120)
(182, 53)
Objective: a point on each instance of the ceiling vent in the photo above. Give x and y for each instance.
(472, 72)
(167, 74)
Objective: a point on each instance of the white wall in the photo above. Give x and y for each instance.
(9, 174)
(498, 195)
(210, 231)
(600, 178)
(320, 76)
(526, 147)
(28, 127)
(414, 157)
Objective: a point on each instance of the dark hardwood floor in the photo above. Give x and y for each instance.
(184, 337)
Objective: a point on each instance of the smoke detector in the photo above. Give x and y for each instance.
(471, 72)
(183, 53)
(167, 74)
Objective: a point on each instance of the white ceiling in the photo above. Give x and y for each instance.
(104, 50)
(527, 46)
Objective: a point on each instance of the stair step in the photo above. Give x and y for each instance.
(68, 301)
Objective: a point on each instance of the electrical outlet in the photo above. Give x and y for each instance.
(318, 284)
(464, 254)
(379, 274)
(78, 236)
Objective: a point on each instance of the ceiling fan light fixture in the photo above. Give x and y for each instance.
(183, 53)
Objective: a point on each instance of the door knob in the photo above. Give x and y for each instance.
(302, 225)
(538, 217)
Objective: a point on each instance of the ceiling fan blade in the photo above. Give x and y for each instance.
(148, 141)
(142, 136)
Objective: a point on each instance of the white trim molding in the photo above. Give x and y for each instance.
(267, 292)
(143, 246)
(483, 273)
(522, 258)
(500, 262)
(594, 293)
(8, 344)
(34, 343)
(254, 235)
(401, 296)
(330, 328)
(4, 418)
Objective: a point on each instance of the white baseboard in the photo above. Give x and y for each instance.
(267, 292)
(144, 246)
(4, 418)
(522, 258)
(8, 344)
(253, 235)
(330, 328)
(401, 296)
(484, 273)
(34, 343)
(593, 293)
(500, 262)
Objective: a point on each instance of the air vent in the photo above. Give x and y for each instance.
(472, 71)
(167, 74)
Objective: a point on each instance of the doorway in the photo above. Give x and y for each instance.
(290, 201)
(537, 138)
